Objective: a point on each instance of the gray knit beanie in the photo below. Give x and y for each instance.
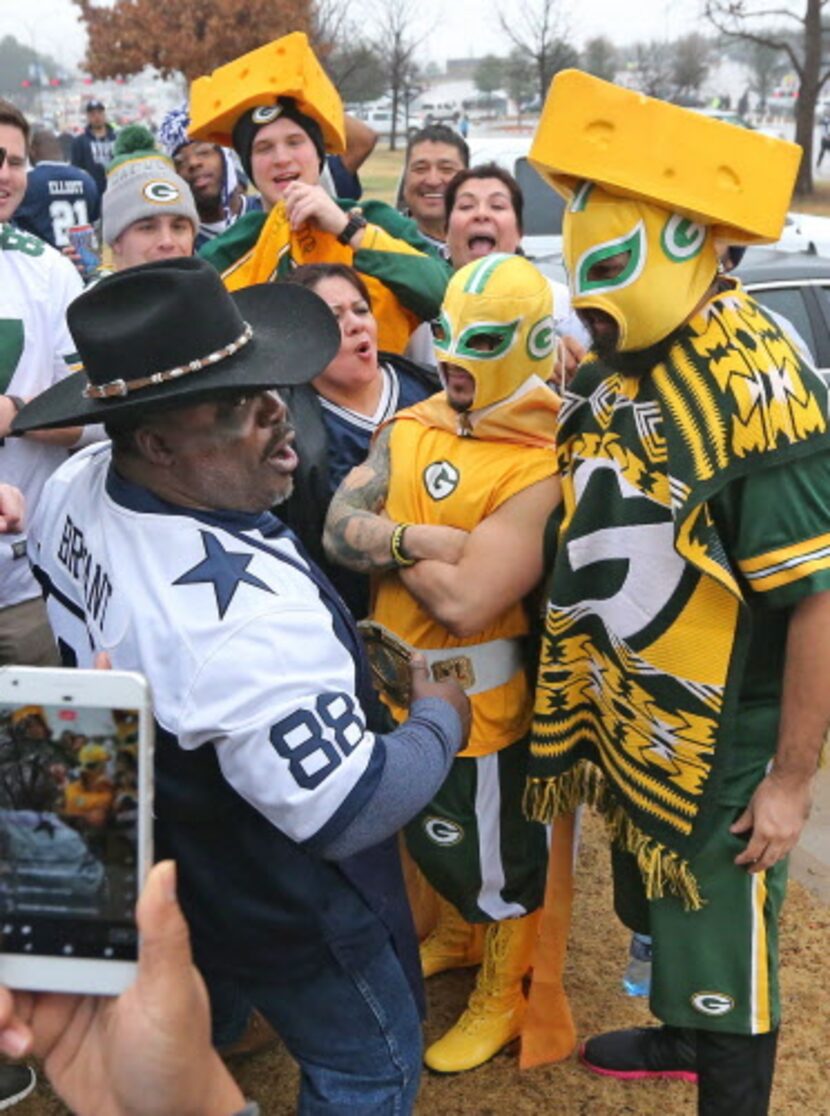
(141, 182)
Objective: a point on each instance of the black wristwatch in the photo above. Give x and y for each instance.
(17, 403)
(356, 221)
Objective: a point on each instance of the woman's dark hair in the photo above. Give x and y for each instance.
(486, 170)
(309, 275)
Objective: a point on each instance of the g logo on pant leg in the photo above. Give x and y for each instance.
(442, 831)
(712, 1003)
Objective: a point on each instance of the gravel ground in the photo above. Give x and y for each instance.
(595, 963)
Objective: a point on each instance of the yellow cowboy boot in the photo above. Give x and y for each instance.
(453, 944)
(496, 1007)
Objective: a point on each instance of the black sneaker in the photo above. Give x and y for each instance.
(667, 1052)
(16, 1082)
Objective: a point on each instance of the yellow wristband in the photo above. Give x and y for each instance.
(396, 546)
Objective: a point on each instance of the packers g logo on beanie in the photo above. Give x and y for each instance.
(264, 114)
(496, 323)
(669, 262)
(160, 192)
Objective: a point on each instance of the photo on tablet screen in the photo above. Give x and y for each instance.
(69, 811)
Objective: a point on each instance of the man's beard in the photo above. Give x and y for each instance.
(637, 362)
(289, 492)
(604, 347)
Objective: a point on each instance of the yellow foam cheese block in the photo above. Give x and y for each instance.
(287, 67)
(734, 178)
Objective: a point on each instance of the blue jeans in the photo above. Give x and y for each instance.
(354, 1031)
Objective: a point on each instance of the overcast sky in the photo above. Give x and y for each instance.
(51, 26)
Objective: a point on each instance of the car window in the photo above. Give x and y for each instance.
(823, 295)
(789, 303)
(543, 206)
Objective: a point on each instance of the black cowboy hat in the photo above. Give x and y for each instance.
(170, 332)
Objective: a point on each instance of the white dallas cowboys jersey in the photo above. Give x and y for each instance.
(36, 286)
(241, 652)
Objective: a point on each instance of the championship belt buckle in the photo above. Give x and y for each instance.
(388, 660)
(459, 668)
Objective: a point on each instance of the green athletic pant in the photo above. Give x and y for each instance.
(716, 968)
(474, 844)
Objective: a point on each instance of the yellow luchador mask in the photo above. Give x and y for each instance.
(496, 323)
(669, 263)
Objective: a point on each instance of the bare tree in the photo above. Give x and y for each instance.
(489, 75)
(767, 66)
(749, 20)
(539, 30)
(395, 42)
(600, 58)
(690, 63)
(357, 71)
(331, 24)
(518, 77)
(653, 63)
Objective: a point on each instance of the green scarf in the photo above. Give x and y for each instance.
(646, 627)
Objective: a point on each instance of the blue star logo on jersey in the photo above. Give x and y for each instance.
(224, 570)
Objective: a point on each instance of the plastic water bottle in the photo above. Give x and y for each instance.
(637, 977)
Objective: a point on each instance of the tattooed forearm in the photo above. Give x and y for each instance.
(355, 534)
(360, 541)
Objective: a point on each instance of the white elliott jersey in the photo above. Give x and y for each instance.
(241, 651)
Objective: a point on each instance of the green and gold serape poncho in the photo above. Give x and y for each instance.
(646, 627)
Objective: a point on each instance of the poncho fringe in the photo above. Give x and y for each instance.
(662, 870)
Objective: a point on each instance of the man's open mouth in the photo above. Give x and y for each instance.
(281, 454)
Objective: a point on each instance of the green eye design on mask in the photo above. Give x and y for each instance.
(681, 238)
(441, 333)
(613, 265)
(540, 340)
(486, 340)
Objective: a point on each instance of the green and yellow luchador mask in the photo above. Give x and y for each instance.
(496, 323)
(667, 263)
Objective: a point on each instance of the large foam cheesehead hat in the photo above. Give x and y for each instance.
(283, 77)
(735, 179)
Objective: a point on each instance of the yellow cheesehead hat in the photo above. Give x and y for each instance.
(732, 178)
(287, 67)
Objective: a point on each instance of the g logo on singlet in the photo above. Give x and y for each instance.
(443, 832)
(441, 479)
(712, 1003)
(161, 193)
(264, 114)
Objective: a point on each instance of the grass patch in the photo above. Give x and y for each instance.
(381, 171)
(818, 203)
